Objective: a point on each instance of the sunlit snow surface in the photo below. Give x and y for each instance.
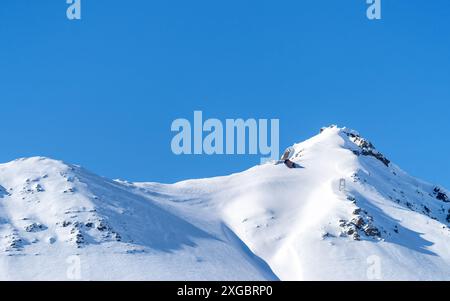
(345, 214)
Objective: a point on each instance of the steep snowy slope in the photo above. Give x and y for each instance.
(346, 213)
(61, 222)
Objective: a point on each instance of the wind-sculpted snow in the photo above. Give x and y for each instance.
(348, 213)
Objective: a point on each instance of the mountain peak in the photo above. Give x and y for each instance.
(334, 137)
(320, 221)
(38, 162)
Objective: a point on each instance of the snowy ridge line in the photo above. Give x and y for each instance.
(340, 211)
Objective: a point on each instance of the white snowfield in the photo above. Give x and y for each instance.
(346, 213)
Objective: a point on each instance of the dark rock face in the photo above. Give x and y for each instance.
(367, 148)
(357, 211)
(14, 242)
(440, 195)
(77, 234)
(79, 239)
(116, 236)
(361, 225)
(372, 231)
(376, 155)
(291, 164)
(287, 154)
(35, 227)
(358, 222)
(81, 232)
(39, 188)
(102, 226)
(70, 190)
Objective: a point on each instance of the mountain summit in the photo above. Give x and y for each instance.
(346, 213)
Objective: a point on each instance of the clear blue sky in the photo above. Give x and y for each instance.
(102, 92)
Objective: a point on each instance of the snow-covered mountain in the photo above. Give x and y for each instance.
(346, 213)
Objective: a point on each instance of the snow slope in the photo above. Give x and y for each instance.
(57, 219)
(347, 213)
